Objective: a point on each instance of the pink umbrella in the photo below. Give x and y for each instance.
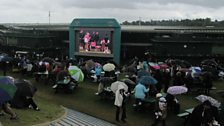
(174, 90)
(163, 66)
(154, 65)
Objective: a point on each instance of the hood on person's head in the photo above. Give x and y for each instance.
(120, 87)
(162, 99)
(159, 95)
(207, 104)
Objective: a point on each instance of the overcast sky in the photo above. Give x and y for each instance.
(63, 11)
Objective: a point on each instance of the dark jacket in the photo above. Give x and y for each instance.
(209, 114)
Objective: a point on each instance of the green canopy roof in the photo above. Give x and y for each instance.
(95, 22)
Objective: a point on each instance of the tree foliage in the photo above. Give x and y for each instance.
(183, 22)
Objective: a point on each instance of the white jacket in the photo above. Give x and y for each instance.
(118, 96)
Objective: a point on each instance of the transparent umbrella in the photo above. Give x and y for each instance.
(213, 101)
(174, 90)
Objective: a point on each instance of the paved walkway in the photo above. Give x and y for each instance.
(75, 118)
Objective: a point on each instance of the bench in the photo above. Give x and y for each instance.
(67, 85)
(183, 115)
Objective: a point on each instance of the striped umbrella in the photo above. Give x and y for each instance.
(76, 73)
(7, 88)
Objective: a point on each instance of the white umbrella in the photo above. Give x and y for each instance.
(109, 67)
(114, 86)
(213, 101)
(174, 90)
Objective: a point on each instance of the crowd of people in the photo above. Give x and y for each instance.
(167, 74)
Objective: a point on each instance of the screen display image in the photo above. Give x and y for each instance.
(94, 41)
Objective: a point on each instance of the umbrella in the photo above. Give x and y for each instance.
(209, 62)
(72, 61)
(7, 88)
(109, 67)
(195, 71)
(98, 65)
(213, 101)
(48, 59)
(184, 70)
(76, 73)
(146, 80)
(128, 81)
(57, 63)
(25, 88)
(90, 65)
(163, 66)
(181, 63)
(115, 85)
(142, 72)
(174, 90)
(6, 59)
(154, 65)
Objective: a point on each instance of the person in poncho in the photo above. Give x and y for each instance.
(120, 103)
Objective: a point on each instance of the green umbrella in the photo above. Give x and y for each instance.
(76, 73)
(7, 88)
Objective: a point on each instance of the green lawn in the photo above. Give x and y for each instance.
(84, 100)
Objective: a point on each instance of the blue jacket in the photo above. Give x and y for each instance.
(140, 91)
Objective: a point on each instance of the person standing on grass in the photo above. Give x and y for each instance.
(120, 103)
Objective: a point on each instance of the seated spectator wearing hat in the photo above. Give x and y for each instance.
(161, 112)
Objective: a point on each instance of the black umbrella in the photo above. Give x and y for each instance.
(182, 63)
(48, 59)
(25, 88)
(72, 61)
(209, 62)
(6, 59)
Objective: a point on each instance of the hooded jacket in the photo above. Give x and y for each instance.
(118, 96)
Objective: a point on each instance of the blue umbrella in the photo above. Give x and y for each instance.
(147, 80)
(4, 96)
(7, 88)
(142, 72)
(6, 80)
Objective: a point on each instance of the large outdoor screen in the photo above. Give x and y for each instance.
(94, 41)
